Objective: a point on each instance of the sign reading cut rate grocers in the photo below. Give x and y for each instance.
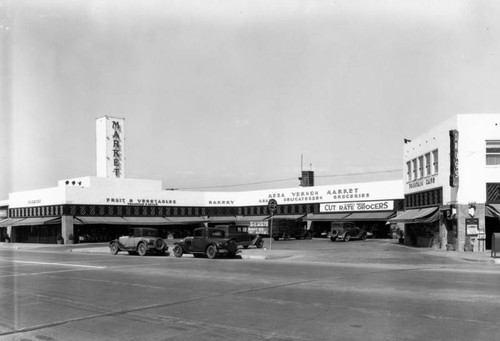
(357, 206)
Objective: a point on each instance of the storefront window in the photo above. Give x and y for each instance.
(408, 171)
(414, 168)
(493, 152)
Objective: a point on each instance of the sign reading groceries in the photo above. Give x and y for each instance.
(357, 206)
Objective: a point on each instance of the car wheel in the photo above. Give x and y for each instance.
(363, 237)
(159, 244)
(177, 251)
(211, 251)
(333, 239)
(309, 235)
(347, 237)
(142, 249)
(113, 248)
(260, 243)
(286, 236)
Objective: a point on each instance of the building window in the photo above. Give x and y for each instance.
(408, 171)
(420, 167)
(435, 162)
(427, 164)
(493, 152)
(414, 168)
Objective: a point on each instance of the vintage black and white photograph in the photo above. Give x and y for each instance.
(292, 170)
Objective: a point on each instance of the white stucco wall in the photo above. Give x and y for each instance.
(474, 130)
(108, 191)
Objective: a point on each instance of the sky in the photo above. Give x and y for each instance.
(237, 95)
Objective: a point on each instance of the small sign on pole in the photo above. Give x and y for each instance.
(272, 205)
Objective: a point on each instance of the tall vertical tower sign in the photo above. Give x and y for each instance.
(110, 147)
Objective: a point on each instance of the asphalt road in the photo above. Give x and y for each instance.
(342, 291)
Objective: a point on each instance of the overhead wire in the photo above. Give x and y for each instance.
(289, 179)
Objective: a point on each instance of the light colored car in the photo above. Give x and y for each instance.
(140, 240)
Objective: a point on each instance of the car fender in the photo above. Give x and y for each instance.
(256, 239)
(183, 246)
(120, 245)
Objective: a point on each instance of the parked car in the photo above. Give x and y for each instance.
(239, 233)
(346, 231)
(206, 241)
(140, 240)
(287, 230)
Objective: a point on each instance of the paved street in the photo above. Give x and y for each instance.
(300, 290)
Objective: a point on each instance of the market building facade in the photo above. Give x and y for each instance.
(452, 184)
(100, 208)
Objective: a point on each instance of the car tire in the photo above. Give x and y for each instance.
(113, 248)
(363, 237)
(309, 235)
(347, 237)
(259, 244)
(286, 236)
(177, 251)
(142, 249)
(160, 244)
(211, 251)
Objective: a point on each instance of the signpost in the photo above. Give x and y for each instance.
(272, 205)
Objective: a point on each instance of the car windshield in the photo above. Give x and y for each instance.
(216, 233)
(149, 233)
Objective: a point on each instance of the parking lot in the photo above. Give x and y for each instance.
(297, 290)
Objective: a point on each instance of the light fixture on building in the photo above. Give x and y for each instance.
(472, 209)
(452, 211)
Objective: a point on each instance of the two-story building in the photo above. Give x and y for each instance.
(452, 184)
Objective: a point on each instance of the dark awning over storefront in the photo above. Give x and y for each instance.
(38, 221)
(100, 220)
(146, 220)
(185, 220)
(10, 222)
(419, 215)
(370, 216)
(235, 219)
(287, 216)
(325, 216)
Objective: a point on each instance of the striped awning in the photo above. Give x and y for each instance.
(419, 215)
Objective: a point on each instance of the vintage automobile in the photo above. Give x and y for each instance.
(206, 241)
(140, 240)
(346, 231)
(240, 234)
(290, 229)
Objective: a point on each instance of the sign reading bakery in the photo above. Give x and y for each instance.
(387, 205)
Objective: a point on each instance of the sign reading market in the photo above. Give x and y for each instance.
(387, 205)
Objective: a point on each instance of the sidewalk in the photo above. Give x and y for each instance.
(264, 253)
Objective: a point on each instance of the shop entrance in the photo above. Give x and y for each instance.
(492, 226)
(45, 234)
